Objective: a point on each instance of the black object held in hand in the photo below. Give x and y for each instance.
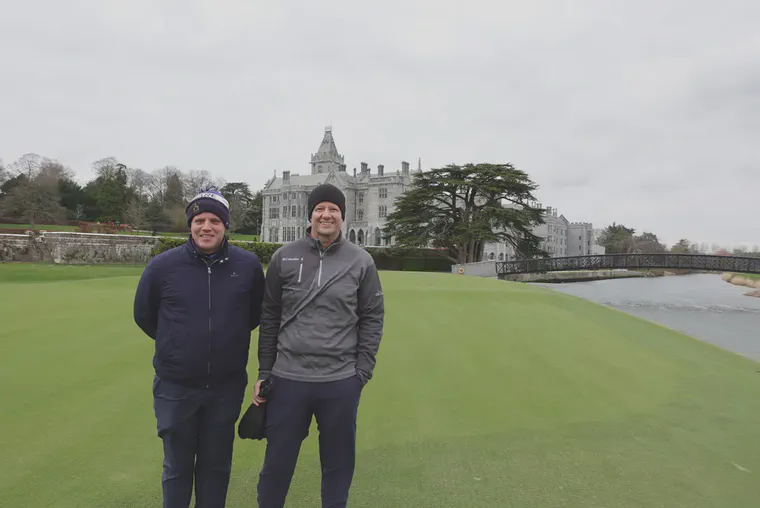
(266, 388)
(253, 423)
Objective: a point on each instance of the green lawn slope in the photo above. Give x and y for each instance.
(486, 394)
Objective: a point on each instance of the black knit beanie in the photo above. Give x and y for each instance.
(327, 192)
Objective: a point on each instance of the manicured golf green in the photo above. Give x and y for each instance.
(486, 394)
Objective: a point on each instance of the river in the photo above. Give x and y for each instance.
(700, 305)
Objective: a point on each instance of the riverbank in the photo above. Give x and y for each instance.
(744, 279)
(576, 276)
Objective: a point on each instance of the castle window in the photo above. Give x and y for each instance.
(382, 192)
(382, 211)
(360, 214)
(360, 198)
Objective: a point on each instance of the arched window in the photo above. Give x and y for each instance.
(361, 237)
(378, 236)
(352, 236)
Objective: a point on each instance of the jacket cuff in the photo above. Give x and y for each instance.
(362, 377)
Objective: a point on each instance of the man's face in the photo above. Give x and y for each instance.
(326, 220)
(207, 231)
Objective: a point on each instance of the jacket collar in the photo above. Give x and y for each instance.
(316, 244)
(220, 254)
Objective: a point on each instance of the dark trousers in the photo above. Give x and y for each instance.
(291, 406)
(197, 427)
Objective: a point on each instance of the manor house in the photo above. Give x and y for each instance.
(369, 197)
(560, 238)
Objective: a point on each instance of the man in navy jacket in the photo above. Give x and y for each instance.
(200, 302)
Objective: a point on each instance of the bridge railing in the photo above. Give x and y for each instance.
(631, 261)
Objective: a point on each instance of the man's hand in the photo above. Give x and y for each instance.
(256, 399)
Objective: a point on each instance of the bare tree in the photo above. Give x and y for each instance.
(238, 212)
(3, 173)
(137, 213)
(160, 182)
(27, 165)
(106, 168)
(196, 181)
(34, 201)
(51, 172)
(36, 198)
(138, 181)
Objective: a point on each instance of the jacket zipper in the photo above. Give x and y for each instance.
(208, 371)
(321, 255)
(208, 363)
(300, 270)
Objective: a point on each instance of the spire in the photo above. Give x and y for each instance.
(327, 158)
(419, 165)
(328, 148)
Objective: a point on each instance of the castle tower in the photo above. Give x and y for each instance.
(327, 159)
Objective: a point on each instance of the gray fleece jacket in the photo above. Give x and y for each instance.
(322, 314)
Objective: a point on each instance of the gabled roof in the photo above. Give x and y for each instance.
(296, 180)
(339, 179)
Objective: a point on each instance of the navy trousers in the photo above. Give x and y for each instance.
(197, 427)
(291, 407)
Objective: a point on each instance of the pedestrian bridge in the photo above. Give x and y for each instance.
(630, 262)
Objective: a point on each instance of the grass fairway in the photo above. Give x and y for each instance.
(486, 394)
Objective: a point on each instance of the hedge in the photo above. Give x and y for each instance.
(410, 259)
(263, 250)
(390, 258)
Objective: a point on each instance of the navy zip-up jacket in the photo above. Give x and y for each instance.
(200, 311)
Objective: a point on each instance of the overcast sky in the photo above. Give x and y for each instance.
(643, 112)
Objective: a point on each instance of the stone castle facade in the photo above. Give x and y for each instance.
(369, 197)
(561, 238)
(369, 200)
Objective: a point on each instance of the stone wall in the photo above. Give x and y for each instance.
(77, 248)
(20, 248)
(479, 269)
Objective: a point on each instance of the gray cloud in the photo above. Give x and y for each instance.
(645, 114)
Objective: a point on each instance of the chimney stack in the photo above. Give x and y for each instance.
(286, 177)
(405, 167)
(380, 169)
(365, 169)
(354, 172)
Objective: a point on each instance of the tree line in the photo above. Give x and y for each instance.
(460, 208)
(39, 190)
(456, 208)
(620, 239)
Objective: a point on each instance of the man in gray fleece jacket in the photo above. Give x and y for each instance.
(321, 325)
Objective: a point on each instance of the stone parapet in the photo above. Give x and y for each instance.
(77, 248)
